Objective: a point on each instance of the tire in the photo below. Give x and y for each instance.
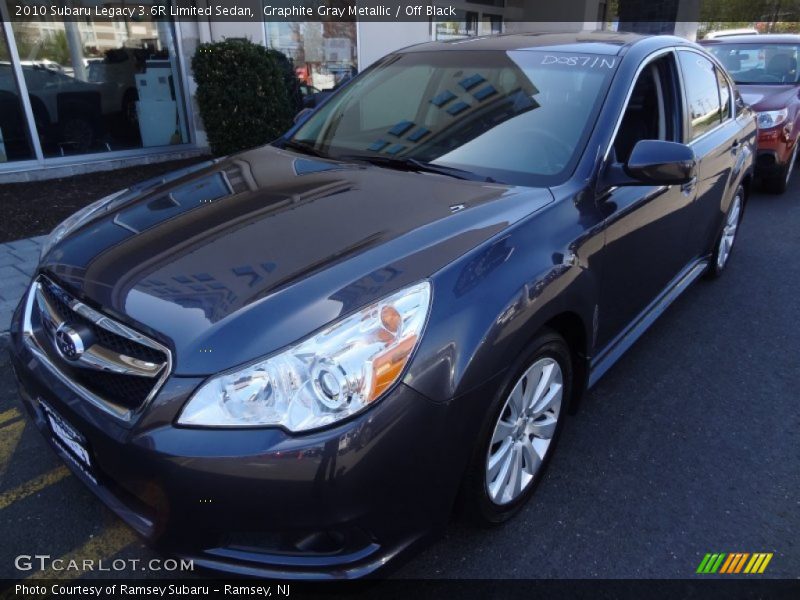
(723, 247)
(483, 499)
(779, 183)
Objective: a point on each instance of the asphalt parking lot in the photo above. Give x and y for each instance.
(689, 445)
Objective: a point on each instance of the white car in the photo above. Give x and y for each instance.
(713, 35)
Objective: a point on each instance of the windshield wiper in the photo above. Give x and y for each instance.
(412, 164)
(303, 147)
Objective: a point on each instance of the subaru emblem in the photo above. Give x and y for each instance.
(68, 342)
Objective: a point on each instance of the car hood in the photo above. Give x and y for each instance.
(768, 97)
(246, 255)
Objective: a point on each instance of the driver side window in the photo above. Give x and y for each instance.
(650, 114)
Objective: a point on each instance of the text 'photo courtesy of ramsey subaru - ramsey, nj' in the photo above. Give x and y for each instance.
(389, 314)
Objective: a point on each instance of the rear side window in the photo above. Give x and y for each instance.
(702, 93)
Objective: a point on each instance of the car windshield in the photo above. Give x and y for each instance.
(519, 117)
(759, 63)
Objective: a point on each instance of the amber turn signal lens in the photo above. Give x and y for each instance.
(386, 367)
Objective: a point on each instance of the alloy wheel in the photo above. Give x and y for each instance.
(524, 431)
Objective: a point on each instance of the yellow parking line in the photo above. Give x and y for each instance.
(32, 486)
(10, 437)
(9, 415)
(109, 542)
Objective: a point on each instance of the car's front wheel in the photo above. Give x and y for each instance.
(727, 237)
(520, 432)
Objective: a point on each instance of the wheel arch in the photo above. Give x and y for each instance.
(570, 326)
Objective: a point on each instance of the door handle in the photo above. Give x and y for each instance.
(735, 146)
(687, 187)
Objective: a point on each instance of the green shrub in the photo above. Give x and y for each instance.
(290, 79)
(242, 95)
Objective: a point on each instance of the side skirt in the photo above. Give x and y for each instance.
(606, 358)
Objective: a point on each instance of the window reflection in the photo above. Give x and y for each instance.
(14, 139)
(101, 86)
(140, 217)
(517, 117)
(702, 92)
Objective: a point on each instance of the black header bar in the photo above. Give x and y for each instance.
(568, 11)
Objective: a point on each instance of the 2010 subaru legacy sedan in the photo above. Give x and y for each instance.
(297, 360)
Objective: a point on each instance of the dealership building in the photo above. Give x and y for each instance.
(90, 94)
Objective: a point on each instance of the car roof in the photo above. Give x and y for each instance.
(764, 38)
(593, 42)
(728, 32)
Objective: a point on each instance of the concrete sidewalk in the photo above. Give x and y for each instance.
(18, 260)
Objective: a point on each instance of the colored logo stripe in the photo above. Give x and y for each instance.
(732, 558)
(710, 563)
(734, 562)
(758, 563)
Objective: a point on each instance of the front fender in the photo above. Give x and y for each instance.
(489, 304)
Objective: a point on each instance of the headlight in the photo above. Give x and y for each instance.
(772, 118)
(336, 373)
(77, 219)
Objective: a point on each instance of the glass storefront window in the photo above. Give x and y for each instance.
(102, 86)
(324, 53)
(467, 24)
(14, 139)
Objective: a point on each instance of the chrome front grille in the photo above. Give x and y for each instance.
(59, 305)
(115, 367)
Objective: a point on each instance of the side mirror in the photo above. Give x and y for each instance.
(656, 162)
(303, 115)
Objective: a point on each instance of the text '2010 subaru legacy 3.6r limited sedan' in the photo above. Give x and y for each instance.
(295, 361)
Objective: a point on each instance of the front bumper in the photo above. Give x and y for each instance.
(337, 503)
(773, 153)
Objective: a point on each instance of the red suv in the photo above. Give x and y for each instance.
(765, 69)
